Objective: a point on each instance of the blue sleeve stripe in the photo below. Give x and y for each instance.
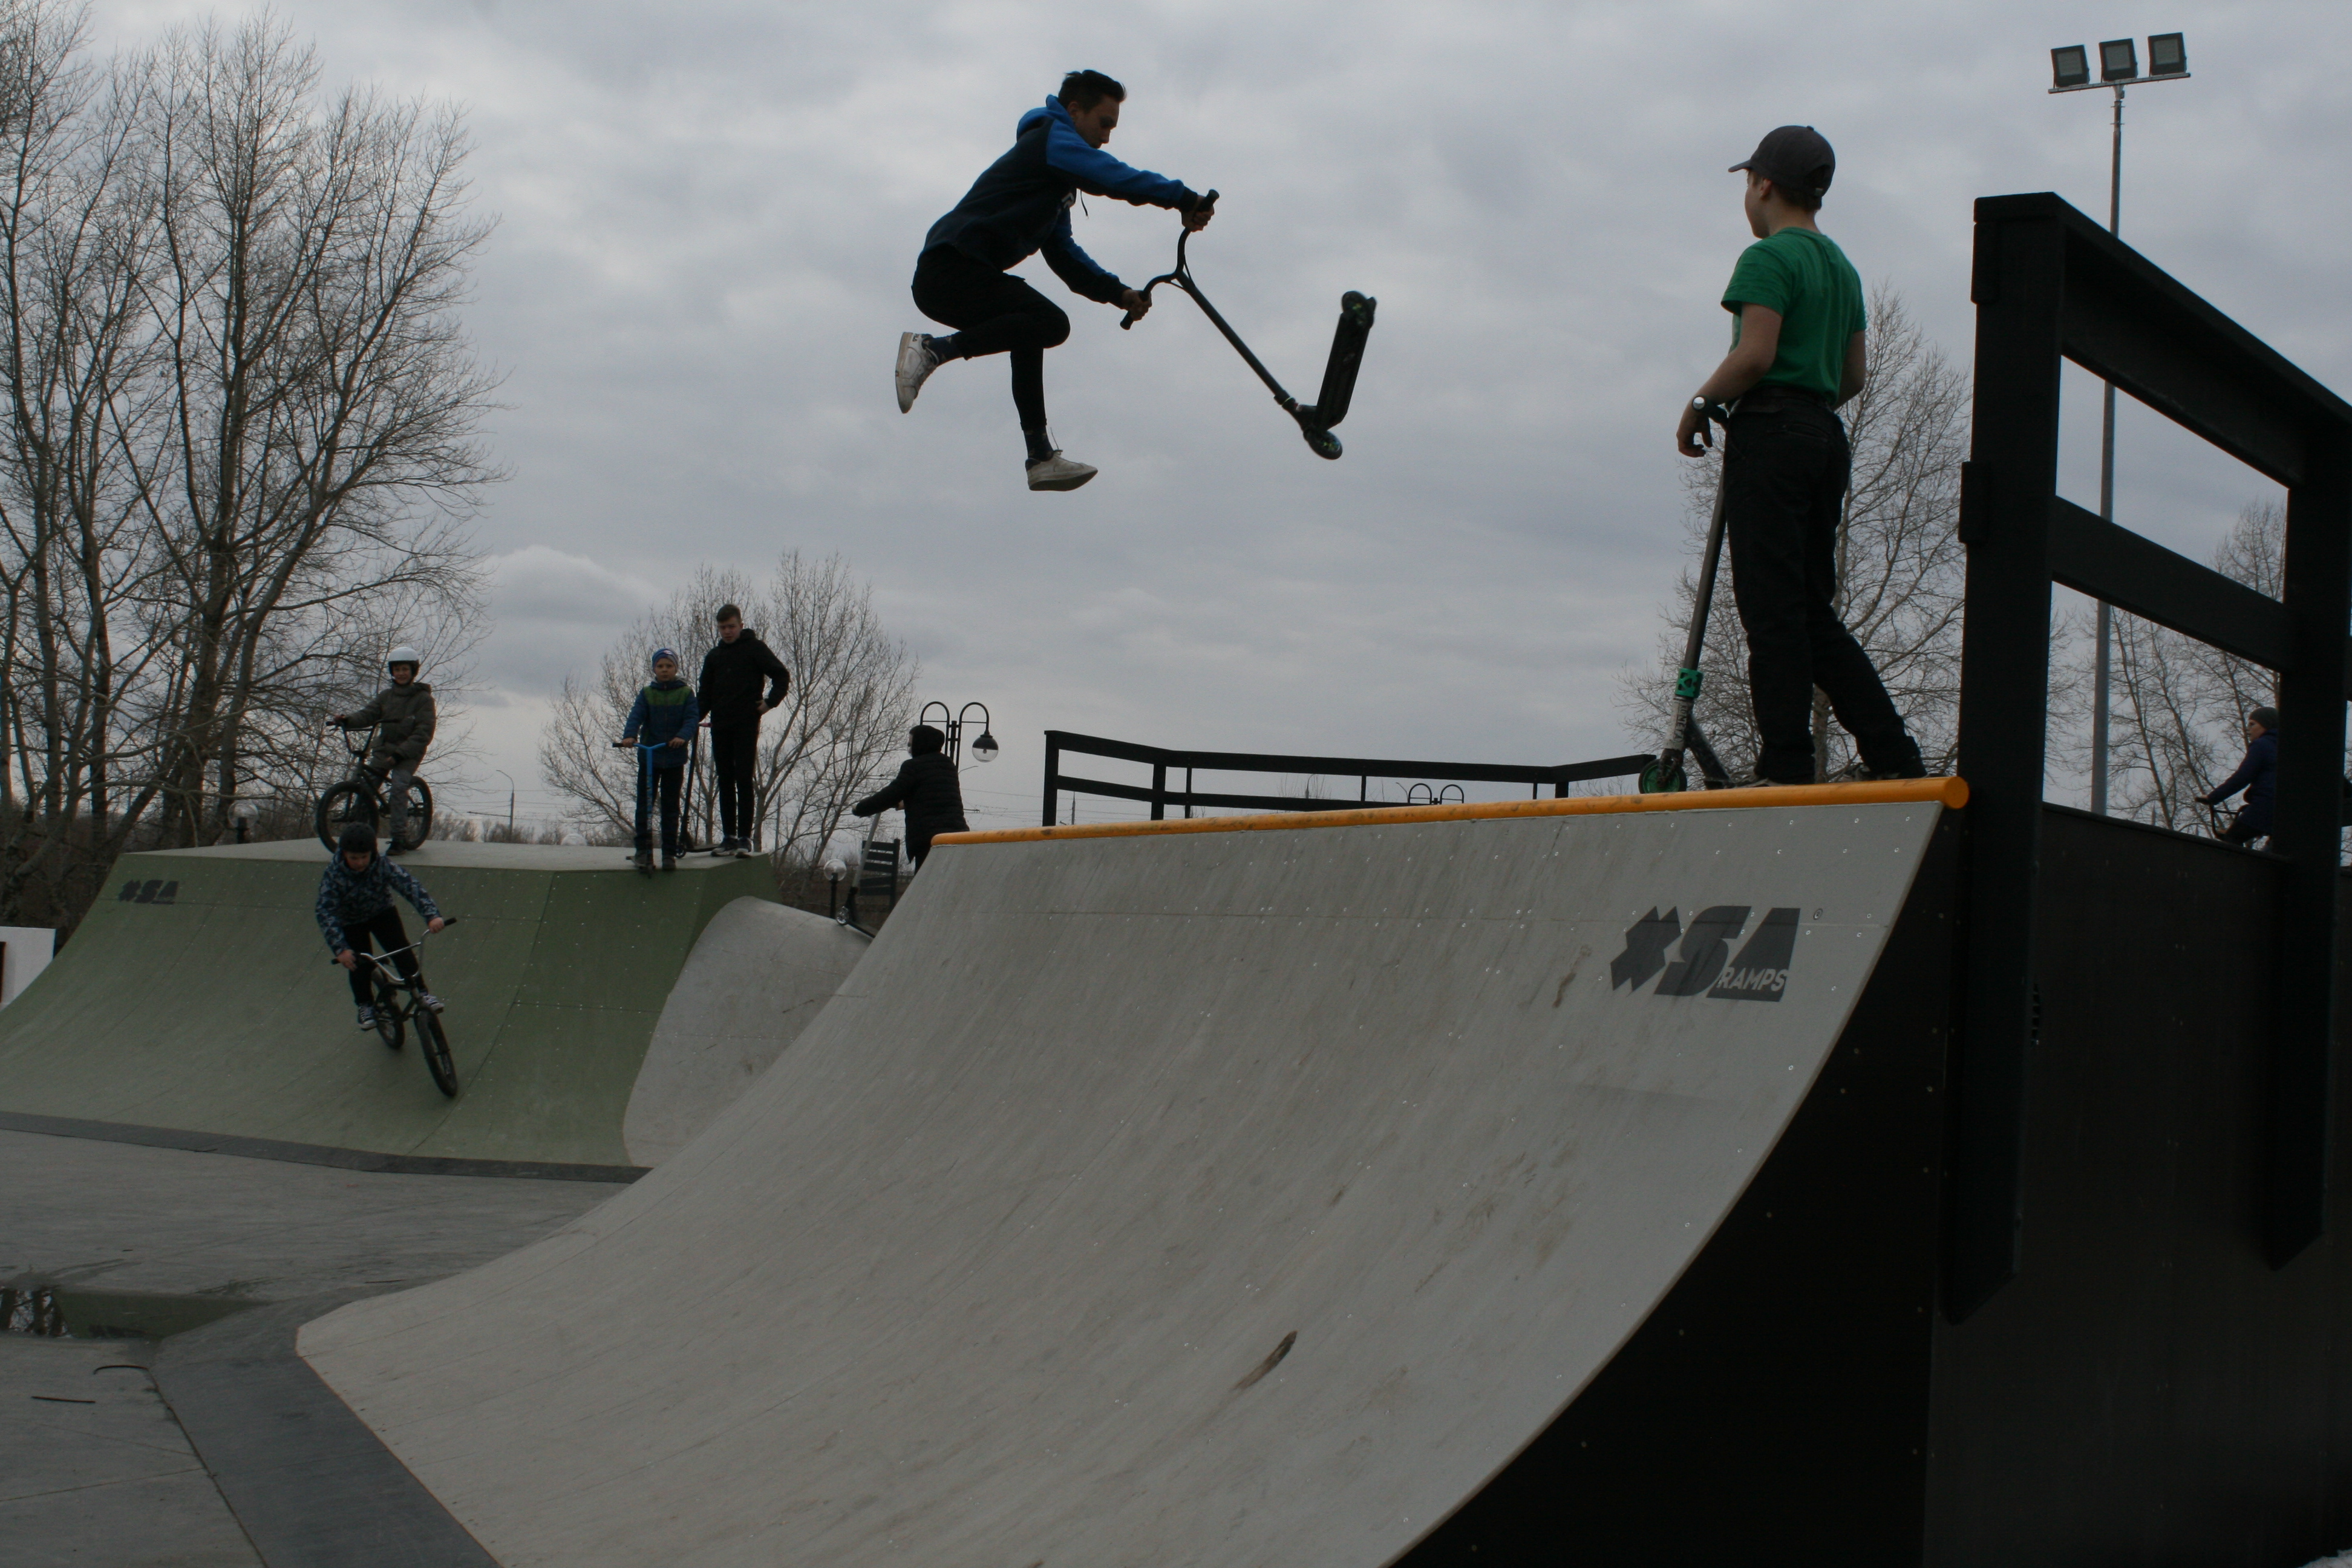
(1104, 175)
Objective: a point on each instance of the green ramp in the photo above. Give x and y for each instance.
(198, 995)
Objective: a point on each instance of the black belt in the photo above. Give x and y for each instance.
(1771, 394)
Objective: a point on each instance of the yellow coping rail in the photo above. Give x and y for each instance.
(1947, 791)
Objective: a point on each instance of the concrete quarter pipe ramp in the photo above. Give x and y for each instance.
(1217, 1194)
(199, 996)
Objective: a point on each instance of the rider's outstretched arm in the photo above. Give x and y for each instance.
(404, 883)
(1100, 174)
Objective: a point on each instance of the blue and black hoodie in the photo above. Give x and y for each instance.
(1021, 205)
(664, 711)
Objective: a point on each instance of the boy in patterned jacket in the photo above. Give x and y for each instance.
(355, 910)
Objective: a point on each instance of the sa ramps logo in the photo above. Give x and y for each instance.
(1703, 964)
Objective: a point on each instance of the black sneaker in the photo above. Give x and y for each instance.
(1906, 763)
(367, 1018)
(669, 859)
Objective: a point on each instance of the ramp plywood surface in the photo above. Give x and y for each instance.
(1244, 1197)
(199, 994)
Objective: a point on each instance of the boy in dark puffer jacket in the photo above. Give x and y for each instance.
(665, 714)
(927, 788)
(403, 717)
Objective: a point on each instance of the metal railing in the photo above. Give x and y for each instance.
(1165, 761)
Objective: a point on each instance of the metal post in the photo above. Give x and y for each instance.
(2102, 669)
(2006, 490)
(1052, 777)
(2308, 832)
(1159, 792)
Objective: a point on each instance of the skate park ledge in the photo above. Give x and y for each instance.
(1948, 792)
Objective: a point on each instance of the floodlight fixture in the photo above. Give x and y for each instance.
(2168, 55)
(2118, 60)
(2070, 67)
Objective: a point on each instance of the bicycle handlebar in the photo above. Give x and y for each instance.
(377, 958)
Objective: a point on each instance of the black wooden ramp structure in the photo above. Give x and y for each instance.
(2043, 1271)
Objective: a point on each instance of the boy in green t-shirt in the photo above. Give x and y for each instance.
(1795, 355)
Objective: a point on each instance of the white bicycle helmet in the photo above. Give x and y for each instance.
(404, 654)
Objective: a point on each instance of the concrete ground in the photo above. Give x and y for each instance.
(93, 1467)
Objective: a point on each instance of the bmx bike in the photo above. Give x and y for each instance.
(359, 798)
(397, 1003)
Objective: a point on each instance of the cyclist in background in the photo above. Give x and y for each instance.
(355, 909)
(2257, 775)
(403, 716)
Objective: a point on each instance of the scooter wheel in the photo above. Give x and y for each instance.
(1661, 777)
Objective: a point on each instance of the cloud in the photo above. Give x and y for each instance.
(709, 212)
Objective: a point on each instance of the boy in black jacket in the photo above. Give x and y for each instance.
(732, 675)
(927, 788)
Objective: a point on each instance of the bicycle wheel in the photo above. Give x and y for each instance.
(437, 1051)
(418, 825)
(388, 1014)
(344, 804)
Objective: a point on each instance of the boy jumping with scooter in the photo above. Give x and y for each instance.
(1796, 357)
(1020, 206)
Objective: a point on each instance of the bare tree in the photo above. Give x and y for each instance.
(238, 431)
(324, 402)
(843, 721)
(78, 656)
(1900, 562)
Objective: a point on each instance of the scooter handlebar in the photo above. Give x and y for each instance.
(1204, 205)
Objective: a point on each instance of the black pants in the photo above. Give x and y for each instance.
(384, 929)
(994, 313)
(2252, 823)
(1785, 469)
(664, 783)
(735, 759)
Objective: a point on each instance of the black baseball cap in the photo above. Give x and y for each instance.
(1795, 155)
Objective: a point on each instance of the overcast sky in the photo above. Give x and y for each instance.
(709, 212)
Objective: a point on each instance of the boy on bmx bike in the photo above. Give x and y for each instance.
(403, 717)
(355, 908)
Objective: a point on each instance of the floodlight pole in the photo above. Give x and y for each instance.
(2102, 674)
(2103, 668)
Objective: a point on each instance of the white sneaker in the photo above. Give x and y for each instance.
(916, 363)
(1059, 473)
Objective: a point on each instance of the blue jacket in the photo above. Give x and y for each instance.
(1020, 203)
(664, 711)
(346, 896)
(2257, 775)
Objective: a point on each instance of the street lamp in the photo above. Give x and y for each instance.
(2070, 71)
(510, 794)
(983, 749)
